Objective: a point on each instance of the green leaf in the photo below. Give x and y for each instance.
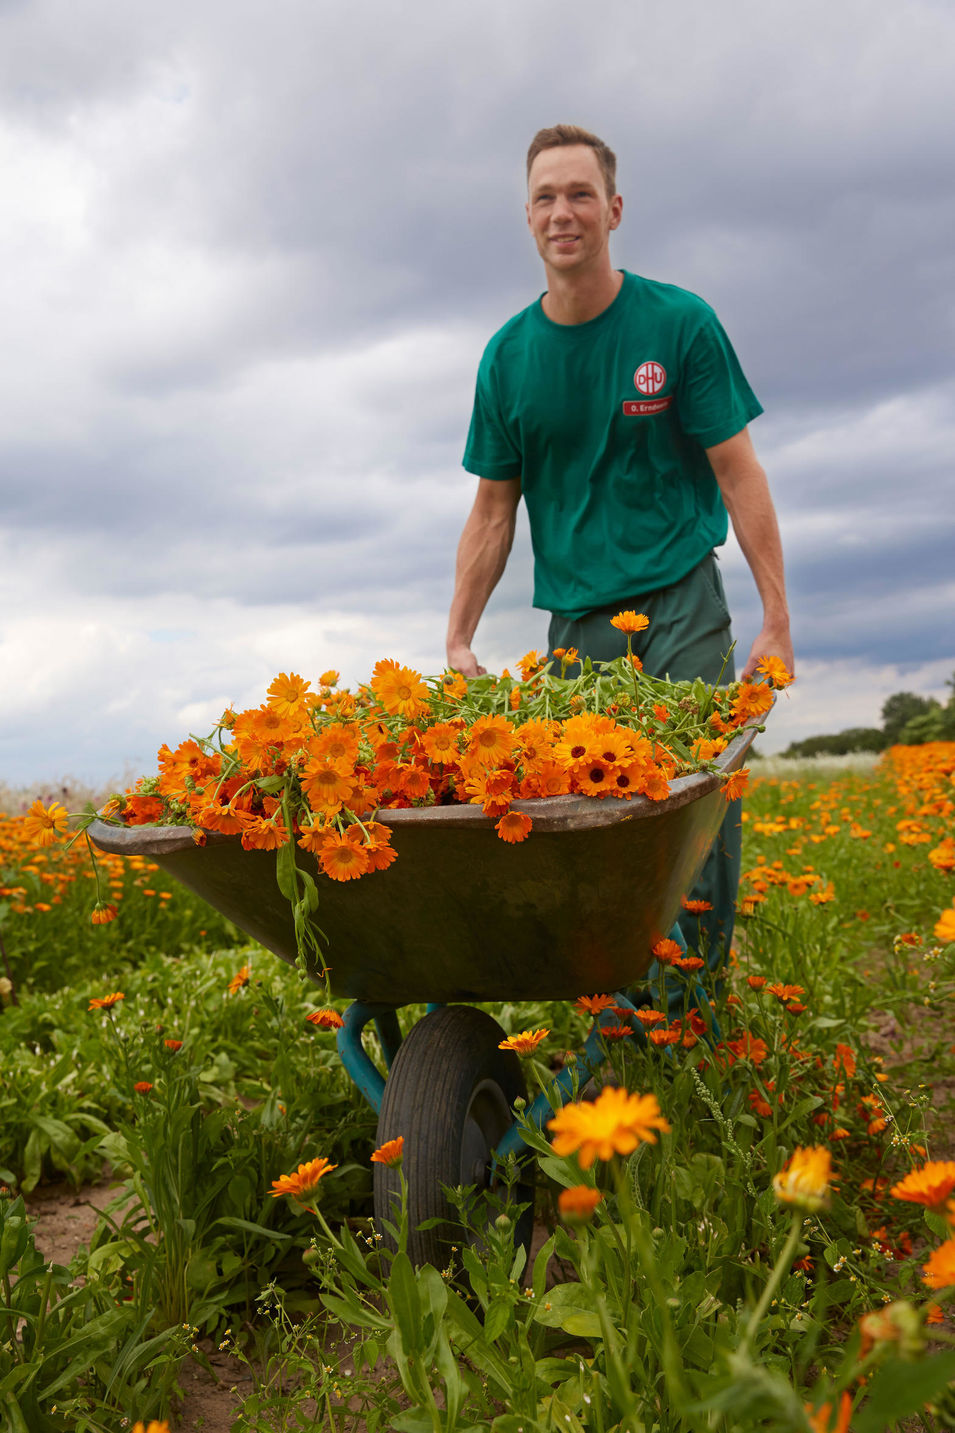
(570, 1307)
(404, 1301)
(900, 1388)
(499, 1316)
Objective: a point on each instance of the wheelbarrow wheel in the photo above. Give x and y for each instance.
(450, 1092)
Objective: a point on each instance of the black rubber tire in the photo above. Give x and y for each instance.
(450, 1093)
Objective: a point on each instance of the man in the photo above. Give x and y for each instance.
(617, 408)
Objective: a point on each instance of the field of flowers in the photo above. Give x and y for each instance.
(748, 1227)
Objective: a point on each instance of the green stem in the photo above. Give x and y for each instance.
(780, 1269)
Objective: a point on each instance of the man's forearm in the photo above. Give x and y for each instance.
(748, 501)
(482, 556)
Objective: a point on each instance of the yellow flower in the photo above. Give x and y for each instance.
(525, 1043)
(614, 1123)
(774, 670)
(155, 1425)
(304, 1181)
(45, 824)
(804, 1182)
(238, 980)
(945, 927)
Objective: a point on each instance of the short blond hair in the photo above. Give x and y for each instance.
(559, 135)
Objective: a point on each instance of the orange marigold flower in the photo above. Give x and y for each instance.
(329, 678)
(514, 826)
(774, 669)
(240, 979)
(650, 1017)
(490, 740)
(615, 1032)
(695, 908)
(578, 1202)
(390, 1153)
(630, 621)
(593, 1004)
(756, 982)
(748, 1047)
(155, 1425)
(784, 993)
(943, 857)
(173, 1045)
(821, 1421)
(945, 927)
(845, 1059)
(287, 693)
(672, 1036)
(304, 1181)
(804, 1181)
(142, 1087)
(400, 690)
(795, 1007)
(688, 962)
(342, 859)
(103, 912)
(667, 950)
(931, 1185)
(735, 784)
(525, 1043)
(614, 1123)
(106, 1002)
(939, 1272)
(44, 825)
(326, 1019)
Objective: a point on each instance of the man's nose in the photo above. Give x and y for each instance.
(561, 211)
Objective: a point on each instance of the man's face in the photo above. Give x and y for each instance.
(568, 210)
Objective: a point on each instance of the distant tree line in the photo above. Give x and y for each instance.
(907, 720)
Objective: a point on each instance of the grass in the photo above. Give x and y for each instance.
(692, 1297)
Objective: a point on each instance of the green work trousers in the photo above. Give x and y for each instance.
(688, 637)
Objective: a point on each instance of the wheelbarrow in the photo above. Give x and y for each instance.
(462, 916)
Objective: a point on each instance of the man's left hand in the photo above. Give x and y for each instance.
(771, 642)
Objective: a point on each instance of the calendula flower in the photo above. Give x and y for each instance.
(593, 1004)
(103, 912)
(821, 1421)
(735, 784)
(667, 951)
(341, 858)
(513, 826)
(44, 825)
(945, 927)
(931, 1185)
(614, 1123)
(785, 993)
(525, 1043)
(390, 1153)
(326, 1019)
(304, 1181)
(287, 693)
(756, 982)
(578, 1202)
(630, 621)
(695, 908)
(173, 1045)
(400, 690)
(106, 1002)
(650, 1017)
(804, 1182)
(239, 980)
(939, 1272)
(155, 1425)
(774, 669)
(142, 1087)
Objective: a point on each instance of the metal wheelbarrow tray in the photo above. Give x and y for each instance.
(461, 915)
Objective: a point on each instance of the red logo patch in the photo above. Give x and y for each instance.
(649, 378)
(642, 407)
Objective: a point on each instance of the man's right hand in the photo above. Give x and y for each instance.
(462, 659)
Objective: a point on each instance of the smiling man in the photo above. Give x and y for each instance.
(616, 407)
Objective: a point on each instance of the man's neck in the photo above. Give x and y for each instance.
(577, 298)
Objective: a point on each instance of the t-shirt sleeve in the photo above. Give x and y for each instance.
(715, 400)
(490, 451)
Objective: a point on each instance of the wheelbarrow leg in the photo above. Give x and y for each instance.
(366, 1075)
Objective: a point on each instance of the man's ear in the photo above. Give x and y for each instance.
(616, 210)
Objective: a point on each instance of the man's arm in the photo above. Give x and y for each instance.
(482, 556)
(746, 495)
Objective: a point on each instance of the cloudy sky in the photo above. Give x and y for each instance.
(249, 257)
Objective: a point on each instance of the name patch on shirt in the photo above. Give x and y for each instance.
(643, 407)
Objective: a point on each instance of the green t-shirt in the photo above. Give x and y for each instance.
(606, 424)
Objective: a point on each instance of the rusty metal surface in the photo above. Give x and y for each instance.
(462, 915)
